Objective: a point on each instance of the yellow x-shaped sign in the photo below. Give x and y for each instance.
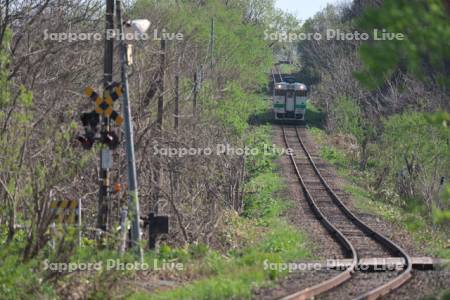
(104, 105)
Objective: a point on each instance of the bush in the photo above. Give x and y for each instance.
(20, 280)
(346, 117)
(413, 156)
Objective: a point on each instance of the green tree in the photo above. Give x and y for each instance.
(424, 53)
(14, 121)
(348, 118)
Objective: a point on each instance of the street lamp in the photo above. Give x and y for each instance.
(140, 26)
(135, 29)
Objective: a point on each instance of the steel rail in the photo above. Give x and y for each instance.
(340, 237)
(279, 73)
(273, 75)
(337, 235)
(276, 72)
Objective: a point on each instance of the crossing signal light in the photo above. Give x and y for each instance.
(111, 139)
(103, 107)
(90, 122)
(87, 140)
(91, 119)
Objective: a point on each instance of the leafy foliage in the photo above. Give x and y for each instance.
(348, 118)
(417, 150)
(424, 51)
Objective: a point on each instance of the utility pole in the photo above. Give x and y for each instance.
(162, 69)
(133, 201)
(212, 43)
(104, 193)
(176, 125)
(159, 123)
(177, 102)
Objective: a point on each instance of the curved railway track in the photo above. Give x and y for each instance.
(356, 238)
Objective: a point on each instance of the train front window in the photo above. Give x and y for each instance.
(290, 94)
(280, 92)
(301, 93)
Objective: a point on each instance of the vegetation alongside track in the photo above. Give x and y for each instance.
(385, 203)
(384, 118)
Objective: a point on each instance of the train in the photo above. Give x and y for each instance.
(289, 100)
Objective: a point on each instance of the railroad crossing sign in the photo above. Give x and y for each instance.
(66, 210)
(104, 105)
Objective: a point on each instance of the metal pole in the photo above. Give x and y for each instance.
(123, 230)
(53, 233)
(133, 201)
(79, 223)
(104, 195)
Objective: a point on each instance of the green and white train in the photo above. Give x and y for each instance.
(289, 100)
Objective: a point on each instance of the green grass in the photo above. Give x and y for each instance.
(334, 156)
(288, 69)
(417, 227)
(315, 118)
(235, 277)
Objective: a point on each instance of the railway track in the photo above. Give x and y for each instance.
(276, 75)
(356, 239)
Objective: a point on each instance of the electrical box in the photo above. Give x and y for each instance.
(106, 159)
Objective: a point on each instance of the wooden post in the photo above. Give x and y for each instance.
(177, 103)
(159, 123)
(212, 44)
(194, 102)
